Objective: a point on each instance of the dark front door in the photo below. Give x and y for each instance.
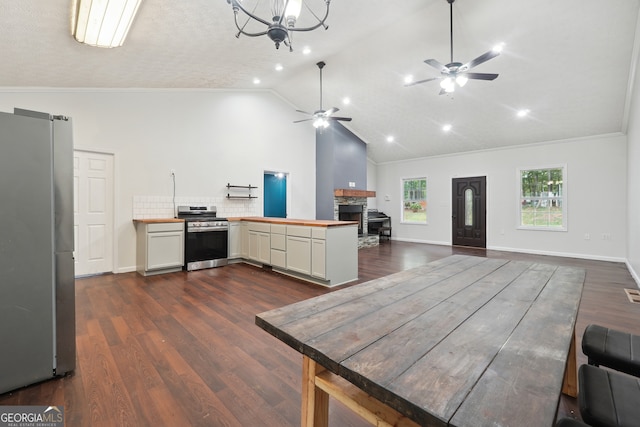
(469, 213)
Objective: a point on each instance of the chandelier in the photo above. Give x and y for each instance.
(284, 16)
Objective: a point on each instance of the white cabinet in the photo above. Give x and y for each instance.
(299, 254)
(235, 239)
(299, 249)
(323, 254)
(260, 242)
(278, 245)
(160, 247)
(244, 239)
(318, 252)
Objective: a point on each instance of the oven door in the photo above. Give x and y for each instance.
(206, 248)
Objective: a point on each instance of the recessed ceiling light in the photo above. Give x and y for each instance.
(306, 50)
(522, 113)
(446, 128)
(390, 138)
(256, 81)
(346, 100)
(408, 79)
(498, 48)
(279, 67)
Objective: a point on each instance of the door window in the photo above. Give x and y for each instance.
(468, 207)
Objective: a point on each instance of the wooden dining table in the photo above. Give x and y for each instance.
(462, 341)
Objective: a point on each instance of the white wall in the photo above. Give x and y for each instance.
(633, 180)
(210, 138)
(596, 192)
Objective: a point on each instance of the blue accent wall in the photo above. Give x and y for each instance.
(275, 196)
(341, 157)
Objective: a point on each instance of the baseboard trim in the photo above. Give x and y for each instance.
(528, 251)
(558, 254)
(633, 273)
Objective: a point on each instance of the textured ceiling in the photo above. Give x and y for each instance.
(569, 62)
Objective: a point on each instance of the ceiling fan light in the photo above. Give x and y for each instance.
(320, 122)
(446, 83)
(462, 80)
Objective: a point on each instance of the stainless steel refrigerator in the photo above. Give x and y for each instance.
(37, 289)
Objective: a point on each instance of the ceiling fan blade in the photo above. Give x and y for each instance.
(479, 60)
(304, 112)
(480, 76)
(437, 65)
(342, 119)
(330, 111)
(303, 120)
(421, 81)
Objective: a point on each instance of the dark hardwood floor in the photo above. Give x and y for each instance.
(181, 349)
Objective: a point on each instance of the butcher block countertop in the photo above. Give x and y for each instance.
(290, 221)
(157, 220)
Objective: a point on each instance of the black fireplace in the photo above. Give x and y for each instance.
(351, 213)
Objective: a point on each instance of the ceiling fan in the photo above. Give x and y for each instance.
(321, 117)
(456, 72)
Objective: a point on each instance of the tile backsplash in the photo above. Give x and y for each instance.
(147, 207)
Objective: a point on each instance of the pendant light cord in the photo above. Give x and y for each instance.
(321, 65)
(451, 26)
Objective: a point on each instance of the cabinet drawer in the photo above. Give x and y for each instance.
(298, 231)
(165, 226)
(319, 233)
(278, 241)
(278, 229)
(259, 226)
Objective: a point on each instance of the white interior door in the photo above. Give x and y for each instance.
(93, 212)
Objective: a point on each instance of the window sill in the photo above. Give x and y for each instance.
(523, 227)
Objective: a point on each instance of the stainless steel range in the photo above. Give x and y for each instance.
(206, 237)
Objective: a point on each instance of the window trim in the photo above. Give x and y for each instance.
(565, 198)
(426, 199)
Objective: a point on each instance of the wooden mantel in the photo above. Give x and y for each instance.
(346, 192)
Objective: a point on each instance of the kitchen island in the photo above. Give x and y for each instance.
(320, 251)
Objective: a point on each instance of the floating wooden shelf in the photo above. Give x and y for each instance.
(346, 192)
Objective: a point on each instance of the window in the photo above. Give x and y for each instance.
(414, 200)
(542, 198)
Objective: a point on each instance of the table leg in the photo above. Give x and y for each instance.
(315, 402)
(570, 383)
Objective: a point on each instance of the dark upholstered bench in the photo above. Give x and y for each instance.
(607, 398)
(570, 422)
(613, 349)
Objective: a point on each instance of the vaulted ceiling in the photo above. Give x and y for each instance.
(568, 62)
